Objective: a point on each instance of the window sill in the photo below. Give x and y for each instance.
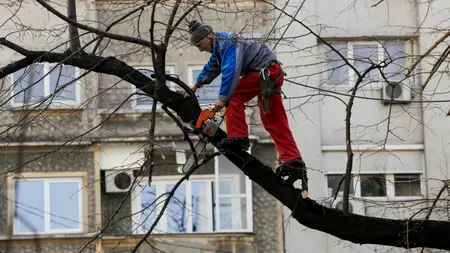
(45, 107)
(386, 199)
(230, 235)
(130, 111)
(347, 88)
(46, 236)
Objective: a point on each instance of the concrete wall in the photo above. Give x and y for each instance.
(318, 122)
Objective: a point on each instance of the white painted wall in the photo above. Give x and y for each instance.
(321, 122)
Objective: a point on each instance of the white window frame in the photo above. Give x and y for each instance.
(134, 104)
(160, 181)
(390, 187)
(47, 67)
(352, 77)
(191, 80)
(46, 210)
(248, 195)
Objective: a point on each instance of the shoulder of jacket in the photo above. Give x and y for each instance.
(224, 39)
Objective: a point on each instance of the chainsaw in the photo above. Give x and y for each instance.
(206, 127)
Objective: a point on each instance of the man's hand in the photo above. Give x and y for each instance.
(194, 88)
(219, 105)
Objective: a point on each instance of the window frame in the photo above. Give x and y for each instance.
(46, 211)
(408, 50)
(46, 72)
(161, 181)
(390, 186)
(135, 97)
(191, 81)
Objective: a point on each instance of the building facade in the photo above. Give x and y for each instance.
(72, 174)
(399, 149)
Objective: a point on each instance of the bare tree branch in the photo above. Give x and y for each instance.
(99, 32)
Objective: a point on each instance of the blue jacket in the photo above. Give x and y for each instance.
(233, 56)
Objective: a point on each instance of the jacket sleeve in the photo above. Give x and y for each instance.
(232, 59)
(209, 72)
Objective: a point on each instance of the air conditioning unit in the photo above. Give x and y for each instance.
(118, 181)
(395, 92)
(355, 206)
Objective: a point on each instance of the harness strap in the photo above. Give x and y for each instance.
(267, 88)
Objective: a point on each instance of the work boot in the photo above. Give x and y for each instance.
(294, 169)
(234, 143)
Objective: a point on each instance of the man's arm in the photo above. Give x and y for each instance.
(209, 72)
(231, 70)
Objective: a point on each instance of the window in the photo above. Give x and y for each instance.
(333, 183)
(141, 101)
(50, 205)
(373, 185)
(209, 93)
(362, 55)
(203, 204)
(407, 185)
(35, 82)
(379, 186)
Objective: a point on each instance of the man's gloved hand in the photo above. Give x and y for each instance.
(219, 105)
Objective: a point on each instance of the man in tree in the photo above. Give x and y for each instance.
(248, 69)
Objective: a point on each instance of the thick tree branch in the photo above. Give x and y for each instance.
(96, 31)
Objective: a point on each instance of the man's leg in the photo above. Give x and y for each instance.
(277, 125)
(237, 129)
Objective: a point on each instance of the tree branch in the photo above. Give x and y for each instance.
(73, 31)
(96, 31)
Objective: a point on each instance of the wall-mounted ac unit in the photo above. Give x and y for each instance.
(355, 206)
(118, 181)
(395, 92)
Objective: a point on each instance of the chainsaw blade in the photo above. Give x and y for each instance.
(200, 148)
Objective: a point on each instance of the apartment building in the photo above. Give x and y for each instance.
(400, 150)
(71, 174)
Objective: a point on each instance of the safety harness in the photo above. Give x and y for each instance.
(267, 88)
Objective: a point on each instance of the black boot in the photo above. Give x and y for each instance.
(234, 144)
(294, 169)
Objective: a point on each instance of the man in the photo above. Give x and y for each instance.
(235, 56)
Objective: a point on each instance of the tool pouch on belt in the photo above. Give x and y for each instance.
(267, 88)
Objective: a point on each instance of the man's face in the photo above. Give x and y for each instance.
(205, 45)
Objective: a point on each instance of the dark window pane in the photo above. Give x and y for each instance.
(337, 68)
(373, 185)
(407, 185)
(60, 77)
(333, 183)
(28, 83)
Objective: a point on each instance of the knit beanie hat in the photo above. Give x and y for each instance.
(198, 31)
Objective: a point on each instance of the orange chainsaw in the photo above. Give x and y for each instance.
(206, 127)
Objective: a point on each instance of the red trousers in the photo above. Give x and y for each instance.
(275, 122)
